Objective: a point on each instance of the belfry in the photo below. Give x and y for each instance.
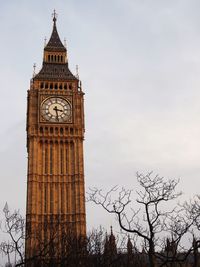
(55, 134)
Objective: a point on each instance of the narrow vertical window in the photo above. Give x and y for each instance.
(51, 158)
(46, 159)
(66, 160)
(77, 158)
(45, 198)
(40, 198)
(73, 186)
(61, 160)
(41, 158)
(72, 157)
(67, 200)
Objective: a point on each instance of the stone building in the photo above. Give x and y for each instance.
(55, 134)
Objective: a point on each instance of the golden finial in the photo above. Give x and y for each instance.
(54, 16)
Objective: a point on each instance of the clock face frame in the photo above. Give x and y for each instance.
(56, 110)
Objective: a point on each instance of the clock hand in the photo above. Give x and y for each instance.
(56, 110)
(60, 110)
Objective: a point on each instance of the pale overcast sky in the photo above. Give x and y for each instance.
(139, 63)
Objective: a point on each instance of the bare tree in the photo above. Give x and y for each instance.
(14, 226)
(148, 221)
(192, 209)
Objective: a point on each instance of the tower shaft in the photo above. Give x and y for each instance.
(55, 133)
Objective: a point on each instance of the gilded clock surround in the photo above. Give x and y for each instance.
(55, 178)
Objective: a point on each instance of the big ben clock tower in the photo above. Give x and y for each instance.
(55, 133)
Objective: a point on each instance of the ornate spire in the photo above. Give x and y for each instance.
(55, 43)
(54, 15)
(55, 61)
(129, 246)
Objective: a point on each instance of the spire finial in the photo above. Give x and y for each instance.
(111, 230)
(34, 67)
(65, 43)
(77, 72)
(6, 209)
(54, 16)
(45, 41)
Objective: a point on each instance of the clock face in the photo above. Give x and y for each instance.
(57, 110)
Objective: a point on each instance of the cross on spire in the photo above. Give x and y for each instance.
(54, 16)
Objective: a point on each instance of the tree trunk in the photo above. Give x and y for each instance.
(151, 254)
